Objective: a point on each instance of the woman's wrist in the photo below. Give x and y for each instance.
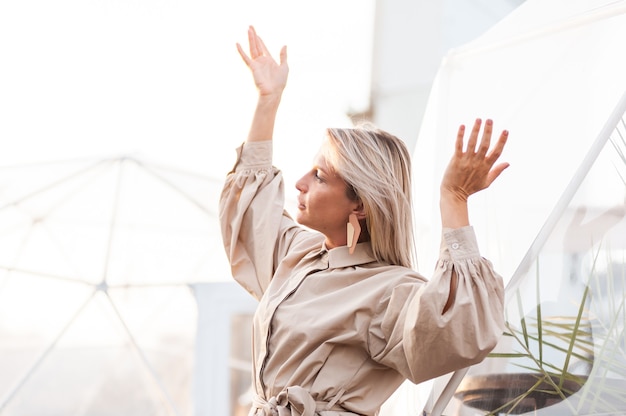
(270, 98)
(262, 127)
(454, 210)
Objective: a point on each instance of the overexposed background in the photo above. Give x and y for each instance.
(161, 82)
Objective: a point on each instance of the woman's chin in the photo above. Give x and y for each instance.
(302, 220)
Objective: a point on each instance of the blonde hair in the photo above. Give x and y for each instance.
(377, 168)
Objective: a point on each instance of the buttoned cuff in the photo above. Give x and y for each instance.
(460, 243)
(254, 155)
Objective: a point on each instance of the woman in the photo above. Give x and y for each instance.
(342, 319)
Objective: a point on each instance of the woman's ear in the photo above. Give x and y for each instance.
(359, 211)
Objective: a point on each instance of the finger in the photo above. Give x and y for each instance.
(262, 47)
(471, 143)
(283, 55)
(498, 148)
(495, 172)
(486, 139)
(458, 148)
(243, 55)
(252, 41)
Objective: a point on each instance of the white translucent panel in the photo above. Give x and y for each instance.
(119, 221)
(31, 306)
(89, 382)
(550, 73)
(564, 349)
(30, 221)
(157, 315)
(120, 354)
(96, 312)
(33, 312)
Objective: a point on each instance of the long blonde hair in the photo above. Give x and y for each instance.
(377, 168)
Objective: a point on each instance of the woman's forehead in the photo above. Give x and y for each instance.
(321, 162)
(323, 154)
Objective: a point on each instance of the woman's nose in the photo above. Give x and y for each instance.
(301, 184)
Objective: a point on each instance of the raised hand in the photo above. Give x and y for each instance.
(472, 169)
(269, 76)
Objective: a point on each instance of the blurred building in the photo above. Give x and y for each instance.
(410, 40)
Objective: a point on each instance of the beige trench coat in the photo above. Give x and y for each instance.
(337, 333)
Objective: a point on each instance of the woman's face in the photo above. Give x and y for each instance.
(323, 203)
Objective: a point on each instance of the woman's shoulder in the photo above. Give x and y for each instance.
(395, 272)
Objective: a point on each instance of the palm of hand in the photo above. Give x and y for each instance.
(269, 76)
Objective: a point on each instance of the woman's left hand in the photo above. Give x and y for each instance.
(472, 169)
(269, 76)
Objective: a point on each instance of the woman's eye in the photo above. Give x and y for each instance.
(317, 175)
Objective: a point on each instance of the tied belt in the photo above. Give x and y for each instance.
(296, 401)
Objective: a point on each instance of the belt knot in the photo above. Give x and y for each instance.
(293, 401)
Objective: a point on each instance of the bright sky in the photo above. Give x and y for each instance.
(161, 79)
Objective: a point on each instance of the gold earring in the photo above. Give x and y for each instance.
(354, 231)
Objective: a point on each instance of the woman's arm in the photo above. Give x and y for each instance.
(470, 170)
(251, 204)
(270, 79)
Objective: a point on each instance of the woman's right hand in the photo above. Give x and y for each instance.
(470, 170)
(473, 169)
(270, 77)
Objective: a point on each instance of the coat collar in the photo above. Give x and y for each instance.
(340, 257)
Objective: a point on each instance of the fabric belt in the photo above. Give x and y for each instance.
(295, 401)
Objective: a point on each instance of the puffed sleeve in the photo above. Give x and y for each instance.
(413, 335)
(255, 227)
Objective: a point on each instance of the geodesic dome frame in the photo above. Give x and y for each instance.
(97, 263)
